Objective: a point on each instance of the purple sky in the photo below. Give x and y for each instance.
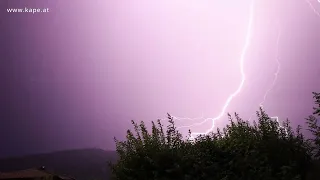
(76, 76)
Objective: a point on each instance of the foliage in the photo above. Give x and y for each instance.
(312, 122)
(263, 150)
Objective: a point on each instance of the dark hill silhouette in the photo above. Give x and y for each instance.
(80, 164)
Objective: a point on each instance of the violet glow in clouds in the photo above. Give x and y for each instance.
(242, 58)
(86, 69)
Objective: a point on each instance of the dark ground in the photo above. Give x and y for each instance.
(81, 164)
(84, 164)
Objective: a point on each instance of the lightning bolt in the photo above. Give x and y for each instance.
(279, 65)
(313, 8)
(275, 78)
(243, 78)
(187, 118)
(278, 62)
(275, 74)
(242, 58)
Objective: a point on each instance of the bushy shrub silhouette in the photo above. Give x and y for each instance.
(263, 150)
(312, 122)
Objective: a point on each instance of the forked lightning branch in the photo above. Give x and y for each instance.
(243, 77)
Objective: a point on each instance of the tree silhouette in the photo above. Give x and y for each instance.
(262, 150)
(314, 128)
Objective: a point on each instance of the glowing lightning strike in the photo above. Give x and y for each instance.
(277, 58)
(242, 58)
(275, 74)
(187, 118)
(313, 8)
(278, 69)
(274, 80)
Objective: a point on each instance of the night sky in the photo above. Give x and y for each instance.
(76, 76)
